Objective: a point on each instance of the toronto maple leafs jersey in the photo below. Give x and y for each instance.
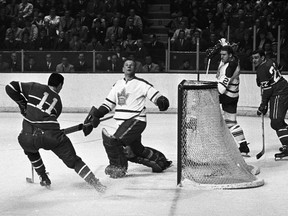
(128, 99)
(228, 78)
(43, 104)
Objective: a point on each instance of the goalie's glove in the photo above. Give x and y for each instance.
(162, 103)
(262, 109)
(91, 121)
(22, 106)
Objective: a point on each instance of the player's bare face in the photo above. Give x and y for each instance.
(129, 68)
(224, 56)
(256, 59)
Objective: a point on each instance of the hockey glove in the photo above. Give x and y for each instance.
(91, 121)
(262, 109)
(162, 103)
(212, 51)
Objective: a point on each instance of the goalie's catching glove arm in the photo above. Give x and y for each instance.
(93, 119)
(162, 103)
(14, 91)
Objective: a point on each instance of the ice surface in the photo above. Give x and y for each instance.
(141, 192)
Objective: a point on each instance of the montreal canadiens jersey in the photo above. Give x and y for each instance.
(43, 104)
(128, 99)
(228, 78)
(270, 80)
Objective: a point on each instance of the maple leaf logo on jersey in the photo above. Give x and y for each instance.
(122, 97)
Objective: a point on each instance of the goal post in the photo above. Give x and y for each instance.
(207, 153)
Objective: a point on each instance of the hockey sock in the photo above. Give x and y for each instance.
(37, 162)
(84, 171)
(283, 136)
(236, 131)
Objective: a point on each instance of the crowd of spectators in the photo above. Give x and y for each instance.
(118, 26)
(208, 20)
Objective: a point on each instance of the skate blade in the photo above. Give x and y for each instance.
(281, 158)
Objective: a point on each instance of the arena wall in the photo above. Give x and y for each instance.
(81, 91)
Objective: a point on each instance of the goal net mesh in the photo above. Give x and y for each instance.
(208, 154)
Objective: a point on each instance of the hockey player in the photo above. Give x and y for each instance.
(41, 106)
(274, 91)
(127, 97)
(228, 87)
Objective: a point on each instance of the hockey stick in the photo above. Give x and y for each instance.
(261, 153)
(31, 180)
(208, 65)
(79, 127)
(66, 131)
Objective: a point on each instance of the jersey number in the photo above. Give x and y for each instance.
(43, 101)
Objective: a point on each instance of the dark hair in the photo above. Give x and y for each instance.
(228, 49)
(55, 79)
(260, 52)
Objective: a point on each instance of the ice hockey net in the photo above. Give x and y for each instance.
(208, 155)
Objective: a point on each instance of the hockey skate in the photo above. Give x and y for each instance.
(44, 180)
(244, 149)
(283, 153)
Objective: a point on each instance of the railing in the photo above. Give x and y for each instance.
(173, 60)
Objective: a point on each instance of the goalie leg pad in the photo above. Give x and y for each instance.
(118, 163)
(152, 158)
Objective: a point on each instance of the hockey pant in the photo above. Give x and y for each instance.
(32, 139)
(278, 109)
(236, 131)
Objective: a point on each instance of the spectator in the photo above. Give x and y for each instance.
(31, 66)
(76, 44)
(98, 31)
(130, 28)
(260, 43)
(43, 42)
(61, 43)
(239, 32)
(81, 30)
(114, 64)
(81, 65)
(182, 27)
(4, 66)
(156, 50)
(78, 5)
(14, 31)
(66, 22)
(4, 25)
(123, 6)
(149, 66)
(14, 64)
(52, 20)
(39, 20)
(137, 21)
(26, 43)
(65, 66)
(12, 9)
(121, 54)
(141, 51)
(48, 65)
(115, 29)
(10, 43)
(31, 29)
(42, 6)
(178, 22)
(185, 65)
(111, 43)
(94, 45)
(25, 10)
(181, 43)
(99, 64)
(85, 19)
(128, 44)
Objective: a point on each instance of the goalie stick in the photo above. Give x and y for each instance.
(261, 153)
(68, 130)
